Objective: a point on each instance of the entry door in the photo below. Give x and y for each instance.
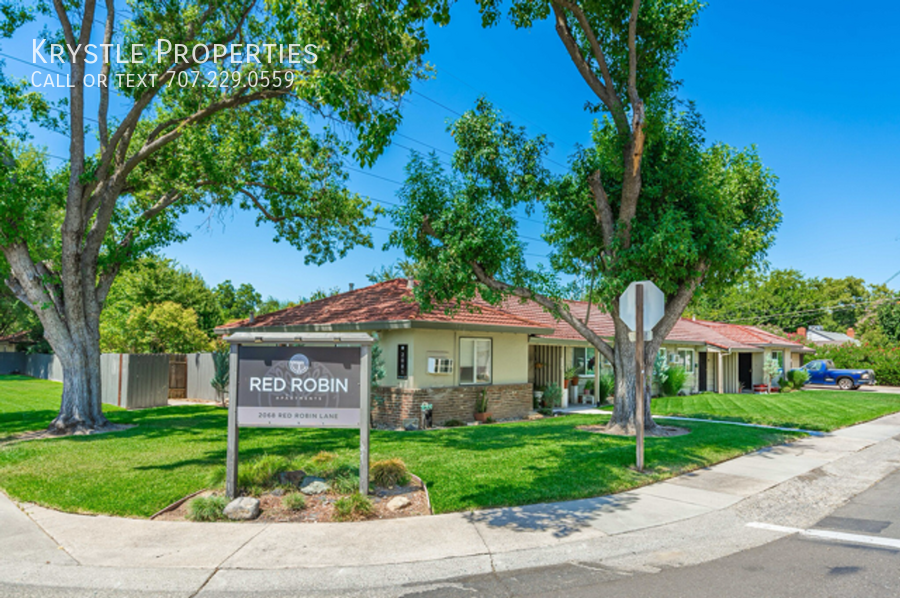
(701, 371)
(745, 370)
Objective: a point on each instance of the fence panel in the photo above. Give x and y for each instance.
(46, 367)
(147, 381)
(12, 363)
(200, 370)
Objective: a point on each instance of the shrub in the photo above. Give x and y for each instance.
(390, 472)
(489, 420)
(545, 411)
(207, 508)
(453, 423)
(797, 378)
(295, 501)
(675, 379)
(607, 386)
(353, 507)
(261, 472)
(553, 395)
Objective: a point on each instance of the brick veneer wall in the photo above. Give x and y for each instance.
(451, 402)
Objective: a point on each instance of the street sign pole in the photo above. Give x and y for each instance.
(365, 381)
(639, 369)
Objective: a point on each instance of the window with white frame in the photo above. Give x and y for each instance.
(474, 361)
(583, 358)
(684, 358)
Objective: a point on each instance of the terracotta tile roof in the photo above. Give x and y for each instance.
(717, 334)
(393, 301)
(383, 302)
(17, 337)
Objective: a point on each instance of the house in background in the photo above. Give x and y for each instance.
(819, 336)
(507, 351)
(9, 342)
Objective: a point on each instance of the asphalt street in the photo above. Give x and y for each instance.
(798, 565)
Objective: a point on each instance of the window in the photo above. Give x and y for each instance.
(583, 358)
(474, 361)
(684, 358)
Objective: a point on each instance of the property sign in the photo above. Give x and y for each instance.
(298, 386)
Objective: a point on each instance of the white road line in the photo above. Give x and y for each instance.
(829, 535)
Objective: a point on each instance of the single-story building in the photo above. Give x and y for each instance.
(817, 335)
(9, 343)
(507, 351)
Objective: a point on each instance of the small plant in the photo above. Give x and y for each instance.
(222, 366)
(660, 371)
(676, 376)
(545, 411)
(553, 395)
(489, 420)
(353, 507)
(572, 374)
(389, 473)
(295, 501)
(481, 404)
(607, 386)
(207, 508)
(453, 423)
(771, 368)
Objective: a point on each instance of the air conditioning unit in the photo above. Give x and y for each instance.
(440, 365)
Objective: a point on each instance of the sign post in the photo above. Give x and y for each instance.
(641, 307)
(305, 380)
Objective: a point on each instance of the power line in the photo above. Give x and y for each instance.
(836, 307)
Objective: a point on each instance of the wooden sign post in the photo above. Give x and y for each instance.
(639, 383)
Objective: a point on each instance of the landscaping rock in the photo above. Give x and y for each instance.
(242, 509)
(292, 478)
(277, 492)
(397, 503)
(313, 485)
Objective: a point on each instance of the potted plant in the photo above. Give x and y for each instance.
(481, 407)
(571, 375)
(552, 396)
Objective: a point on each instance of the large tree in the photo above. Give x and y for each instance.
(155, 142)
(650, 199)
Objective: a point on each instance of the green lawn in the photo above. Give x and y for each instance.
(173, 451)
(822, 410)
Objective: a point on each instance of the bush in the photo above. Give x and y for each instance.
(885, 360)
(207, 508)
(797, 378)
(607, 386)
(389, 473)
(676, 376)
(295, 501)
(545, 411)
(453, 423)
(254, 475)
(553, 395)
(353, 507)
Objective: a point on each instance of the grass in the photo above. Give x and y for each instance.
(207, 508)
(295, 501)
(353, 507)
(820, 410)
(174, 451)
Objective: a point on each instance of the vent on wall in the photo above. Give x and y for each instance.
(440, 365)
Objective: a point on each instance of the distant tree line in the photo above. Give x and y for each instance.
(785, 300)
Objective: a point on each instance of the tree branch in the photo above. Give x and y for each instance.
(603, 209)
(568, 40)
(103, 129)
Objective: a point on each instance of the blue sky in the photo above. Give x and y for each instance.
(813, 85)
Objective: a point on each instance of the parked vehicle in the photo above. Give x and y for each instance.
(822, 371)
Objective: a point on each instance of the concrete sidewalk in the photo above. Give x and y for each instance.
(684, 520)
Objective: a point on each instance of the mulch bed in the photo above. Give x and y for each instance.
(320, 508)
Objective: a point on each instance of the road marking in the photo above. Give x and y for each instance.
(828, 535)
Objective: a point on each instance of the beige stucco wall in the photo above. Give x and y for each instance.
(509, 354)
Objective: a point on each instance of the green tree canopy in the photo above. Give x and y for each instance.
(271, 136)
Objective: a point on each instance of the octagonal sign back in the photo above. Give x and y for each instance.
(654, 305)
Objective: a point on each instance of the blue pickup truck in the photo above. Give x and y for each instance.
(822, 371)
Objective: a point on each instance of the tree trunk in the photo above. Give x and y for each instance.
(80, 410)
(624, 405)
